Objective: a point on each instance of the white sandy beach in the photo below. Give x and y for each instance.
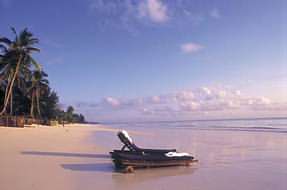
(77, 158)
(24, 167)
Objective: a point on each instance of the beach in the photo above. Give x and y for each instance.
(204, 80)
(76, 157)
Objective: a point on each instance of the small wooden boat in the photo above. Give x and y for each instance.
(136, 157)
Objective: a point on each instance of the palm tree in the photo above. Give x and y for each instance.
(69, 113)
(16, 62)
(38, 86)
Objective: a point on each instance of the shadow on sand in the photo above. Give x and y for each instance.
(102, 167)
(65, 154)
(109, 167)
(97, 167)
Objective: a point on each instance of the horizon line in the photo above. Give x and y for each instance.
(185, 120)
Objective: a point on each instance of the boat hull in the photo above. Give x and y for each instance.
(123, 160)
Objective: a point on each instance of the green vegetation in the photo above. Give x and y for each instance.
(24, 87)
(70, 116)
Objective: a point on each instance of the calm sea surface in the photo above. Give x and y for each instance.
(252, 125)
(233, 154)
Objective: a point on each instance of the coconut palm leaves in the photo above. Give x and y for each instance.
(16, 62)
(24, 88)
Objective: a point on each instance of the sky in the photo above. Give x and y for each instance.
(121, 60)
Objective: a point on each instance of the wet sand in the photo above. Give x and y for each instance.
(77, 158)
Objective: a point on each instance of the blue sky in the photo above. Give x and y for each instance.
(109, 58)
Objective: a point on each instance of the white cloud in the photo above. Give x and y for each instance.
(155, 10)
(191, 47)
(216, 101)
(129, 14)
(155, 99)
(214, 13)
(112, 101)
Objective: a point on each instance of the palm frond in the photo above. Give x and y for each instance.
(33, 40)
(4, 69)
(45, 81)
(5, 41)
(25, 38)
(15, 33)
(30, 49)
(44, 74)
(3, 48)
(35, 64)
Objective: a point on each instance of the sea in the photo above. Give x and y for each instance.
(231, 153)
(272, 125)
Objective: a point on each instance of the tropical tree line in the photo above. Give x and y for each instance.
(24, 86)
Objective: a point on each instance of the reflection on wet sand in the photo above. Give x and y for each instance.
(227, 160)
(152, 174)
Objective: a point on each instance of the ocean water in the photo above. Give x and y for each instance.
(273, 125)
(233, 154)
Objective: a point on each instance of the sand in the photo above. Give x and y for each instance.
(76, 157)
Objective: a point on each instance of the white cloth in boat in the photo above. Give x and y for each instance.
(127, 135)
(176, 154)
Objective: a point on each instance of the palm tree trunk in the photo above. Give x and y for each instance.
(11, 86)
(38, 102)
(32, 105)
(11, 103)
(7, 87)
